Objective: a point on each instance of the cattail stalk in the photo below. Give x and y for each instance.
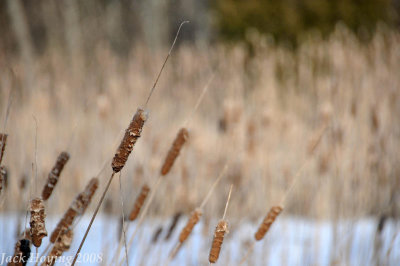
(3, 142)
(37, 221)
(22, 253)
(54, 175)
(267, 222)
(139, 202)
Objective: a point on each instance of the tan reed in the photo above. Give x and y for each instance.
(174, 151)
(3, 142)
(54, 175)
(139, 202)
(267, 222)
(37, 221)
(22, 252)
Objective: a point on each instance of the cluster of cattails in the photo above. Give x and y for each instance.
(174, 151)
(132, 134)
(62, 244)
(139, 202)
(22, 253)
(77, 207)
(267, 222)
(37, 221)
(54, 175)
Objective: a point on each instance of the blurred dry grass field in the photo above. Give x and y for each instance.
(262, 111)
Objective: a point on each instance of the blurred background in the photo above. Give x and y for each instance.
(283, 72)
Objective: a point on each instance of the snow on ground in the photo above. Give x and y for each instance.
(291, 241)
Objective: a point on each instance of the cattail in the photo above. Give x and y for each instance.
(174, 222)
(193, 220)
(3, 142)
(3, 174)
(139, 202)
(174, 151)
(37, 222)
(217, 241)
(63, 243)
(132, 134)
(267, 222)
(54, 175)
(157, 234)
(77, 207)
(21, 254)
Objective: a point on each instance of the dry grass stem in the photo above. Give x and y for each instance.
(37, 221)
(139, 202)
(174, 151)
(54, 175)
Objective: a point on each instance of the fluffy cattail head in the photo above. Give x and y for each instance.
(139, 202)
(219, 234)
(267, 222)
(77, 207)
(54, 175)
(132, 134)
(22, 253)
(174, 151)
(3, 142)
(63, 243)
(193, 220)
(82, 201)
(37, 222)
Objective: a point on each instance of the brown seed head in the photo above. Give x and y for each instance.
(54, 175)
(267, 222)
(37, 222)
(3, 142)
(77, 207)
(3, 174)
(132, 134)
(193, 220)
(22, 252)
(174, 151)
(219, 234)
(63, 243)
(139, 202)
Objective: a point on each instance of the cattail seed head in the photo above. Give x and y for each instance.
(22, 253)
(3, 174)
(132, 134)
(77, 207)
(174, 151)
(63, 243)
(37, 222)
(157, 234)
(219, 234)
(267, 222)
(54, 175)
(193, 220)
(174, 222)
(139, 202)
(3, 142)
